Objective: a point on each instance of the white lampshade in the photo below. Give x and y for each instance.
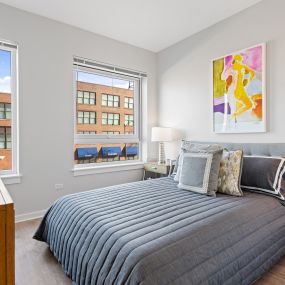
(160, 134)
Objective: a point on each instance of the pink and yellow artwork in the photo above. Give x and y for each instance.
(239, 91)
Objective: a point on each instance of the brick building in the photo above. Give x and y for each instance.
(5, 132)
(102, 109)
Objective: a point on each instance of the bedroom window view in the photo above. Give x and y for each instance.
(106, 114)
(6, 152)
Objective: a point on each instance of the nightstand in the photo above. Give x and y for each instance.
(154, 170)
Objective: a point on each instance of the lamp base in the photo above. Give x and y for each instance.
(161, 154)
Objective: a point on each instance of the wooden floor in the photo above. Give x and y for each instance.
(35, 264)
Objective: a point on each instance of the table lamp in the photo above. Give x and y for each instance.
(161, 135)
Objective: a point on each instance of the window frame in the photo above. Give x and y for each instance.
(5, 111)
(89, 93)
(88, 117)
(135, 137)
(111, 119)
(13, 48)
(107, 101)
(128, 120)
(6, 141)
(128, 103)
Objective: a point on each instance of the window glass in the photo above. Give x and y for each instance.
(79, 97)
(8, 99)
(129, 120)
(8, 111)
(116, 97)
(129, 102)
(86, 97)
(2, 138)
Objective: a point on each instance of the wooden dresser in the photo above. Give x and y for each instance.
(7, 237)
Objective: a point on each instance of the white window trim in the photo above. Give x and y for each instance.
(11, 179)
(103, 167)
(13, 175)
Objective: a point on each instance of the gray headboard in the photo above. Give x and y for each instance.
(265, 149)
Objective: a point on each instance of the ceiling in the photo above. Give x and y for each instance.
(150, 24)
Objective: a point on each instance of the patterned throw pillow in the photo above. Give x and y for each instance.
(230, 173)
(265, 175)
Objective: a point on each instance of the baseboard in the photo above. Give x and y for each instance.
(29, 216)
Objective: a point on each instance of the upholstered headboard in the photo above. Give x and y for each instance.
(265, 149)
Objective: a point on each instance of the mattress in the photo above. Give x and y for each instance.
(152, 232)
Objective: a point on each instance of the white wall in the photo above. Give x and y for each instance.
(185, 74)
(46, 50)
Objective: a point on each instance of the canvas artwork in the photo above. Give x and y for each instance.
(239, 103)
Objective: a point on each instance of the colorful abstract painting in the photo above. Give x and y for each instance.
(239, 103)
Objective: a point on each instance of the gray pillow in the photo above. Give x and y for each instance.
(195, 172)
(265, 175)
(199, 170)
(187, 146)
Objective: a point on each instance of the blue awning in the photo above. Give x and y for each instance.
(131, 150)
(111, 151)
(86, 152)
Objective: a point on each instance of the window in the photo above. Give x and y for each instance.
(86, 117)
(110, 100)
(118, 89)
(5, 111)
(111, 133)
(86, 133)
(86, 97)
(5, 138)
(129, 103)
(129, 120)
(110, 119)
(8, 109)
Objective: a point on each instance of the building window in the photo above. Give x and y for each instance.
(86, 133)
(110, 119)
(110, 100)
(129, 103)
(129, 120)
(110, 133)
(5, 138)
(86, 117)
(119, 91)
(5, 111)
(8, 109)
(86, 97)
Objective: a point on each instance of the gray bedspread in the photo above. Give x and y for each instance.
(151, 232)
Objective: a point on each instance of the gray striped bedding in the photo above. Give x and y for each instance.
(151, 232)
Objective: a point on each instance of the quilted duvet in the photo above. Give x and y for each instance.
(152, 232)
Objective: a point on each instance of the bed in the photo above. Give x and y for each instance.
(151, 232)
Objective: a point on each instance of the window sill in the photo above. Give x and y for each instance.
(79, 171)
(11, 179)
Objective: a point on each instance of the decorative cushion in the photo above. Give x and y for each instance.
(202, 161)
(230, 173)
(264, 174)
(195, 172)
(187, 146)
